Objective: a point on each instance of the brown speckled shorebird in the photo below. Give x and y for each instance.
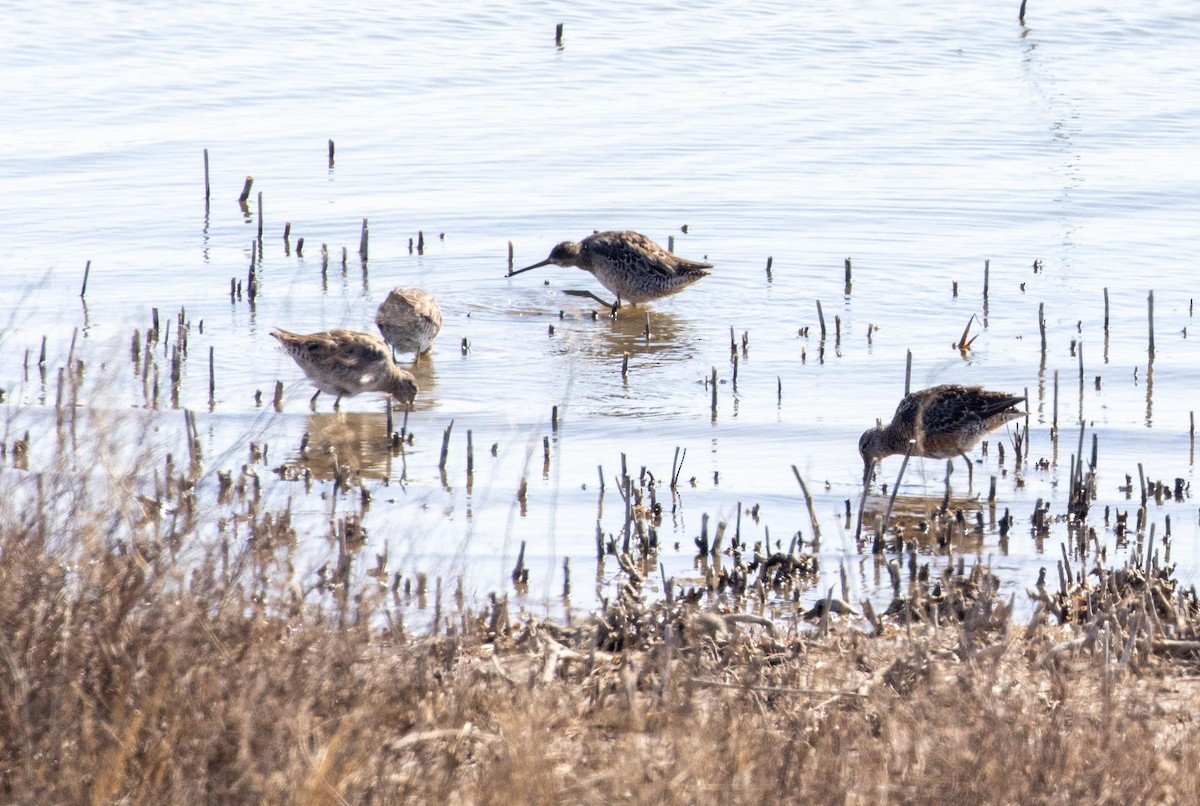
(942, 422)
(630, 265)
(409, 320)
(347, 362)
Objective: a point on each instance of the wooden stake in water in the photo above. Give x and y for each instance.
(987, 267)
(86, 271)
(821, 319)
(519, 574)
(510, 256)
(208, 192)
(558, 35)
(1042, 326)
(1106, 311)
(212, 379)
(770, 260)
(1026, 440)
(245, 189)
(1150, 313)
(849, 283)
(251, 280)
(1054, 424)
(362, 242)
(260, 215)
(470, 455)
(677, 466)
(445, 446)
(714, 387)
(331, 153)
(908, 373)
(812, 513)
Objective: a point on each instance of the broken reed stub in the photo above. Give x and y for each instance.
(246, 189)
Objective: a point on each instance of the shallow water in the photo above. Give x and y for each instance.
(918, 141)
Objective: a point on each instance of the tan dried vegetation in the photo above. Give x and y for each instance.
(149, 653)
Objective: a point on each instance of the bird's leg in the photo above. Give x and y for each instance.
(312, 403)
(970, 470)
(579, 293)
(337, 403)
(615, 305)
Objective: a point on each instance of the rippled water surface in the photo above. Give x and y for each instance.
(918, 140)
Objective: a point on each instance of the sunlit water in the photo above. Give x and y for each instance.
(918, 140)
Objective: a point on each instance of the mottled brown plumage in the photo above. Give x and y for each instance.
(628, 264)
(409, 320)
(941, 422)
(346, 362)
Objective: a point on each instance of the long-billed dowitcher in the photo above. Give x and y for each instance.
(941, 422)
(347, 362)
(409, 320)
(629, 265)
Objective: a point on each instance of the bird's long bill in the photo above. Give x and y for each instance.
(545, 262)
(868, 466)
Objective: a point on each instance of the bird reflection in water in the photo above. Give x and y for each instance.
(671, 338)
(345, 447)
(934, 524)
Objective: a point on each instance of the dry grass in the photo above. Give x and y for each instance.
(148, 654)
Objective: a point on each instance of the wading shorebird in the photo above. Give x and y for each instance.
(941, 422)
(347, 362)
(409, 320)
(629, 265)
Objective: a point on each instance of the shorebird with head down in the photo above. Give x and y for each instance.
(346, 363)
(409, 320)
(628, 264)
(940, 422)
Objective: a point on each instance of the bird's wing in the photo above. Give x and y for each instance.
(363, 356)
(619, 247)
